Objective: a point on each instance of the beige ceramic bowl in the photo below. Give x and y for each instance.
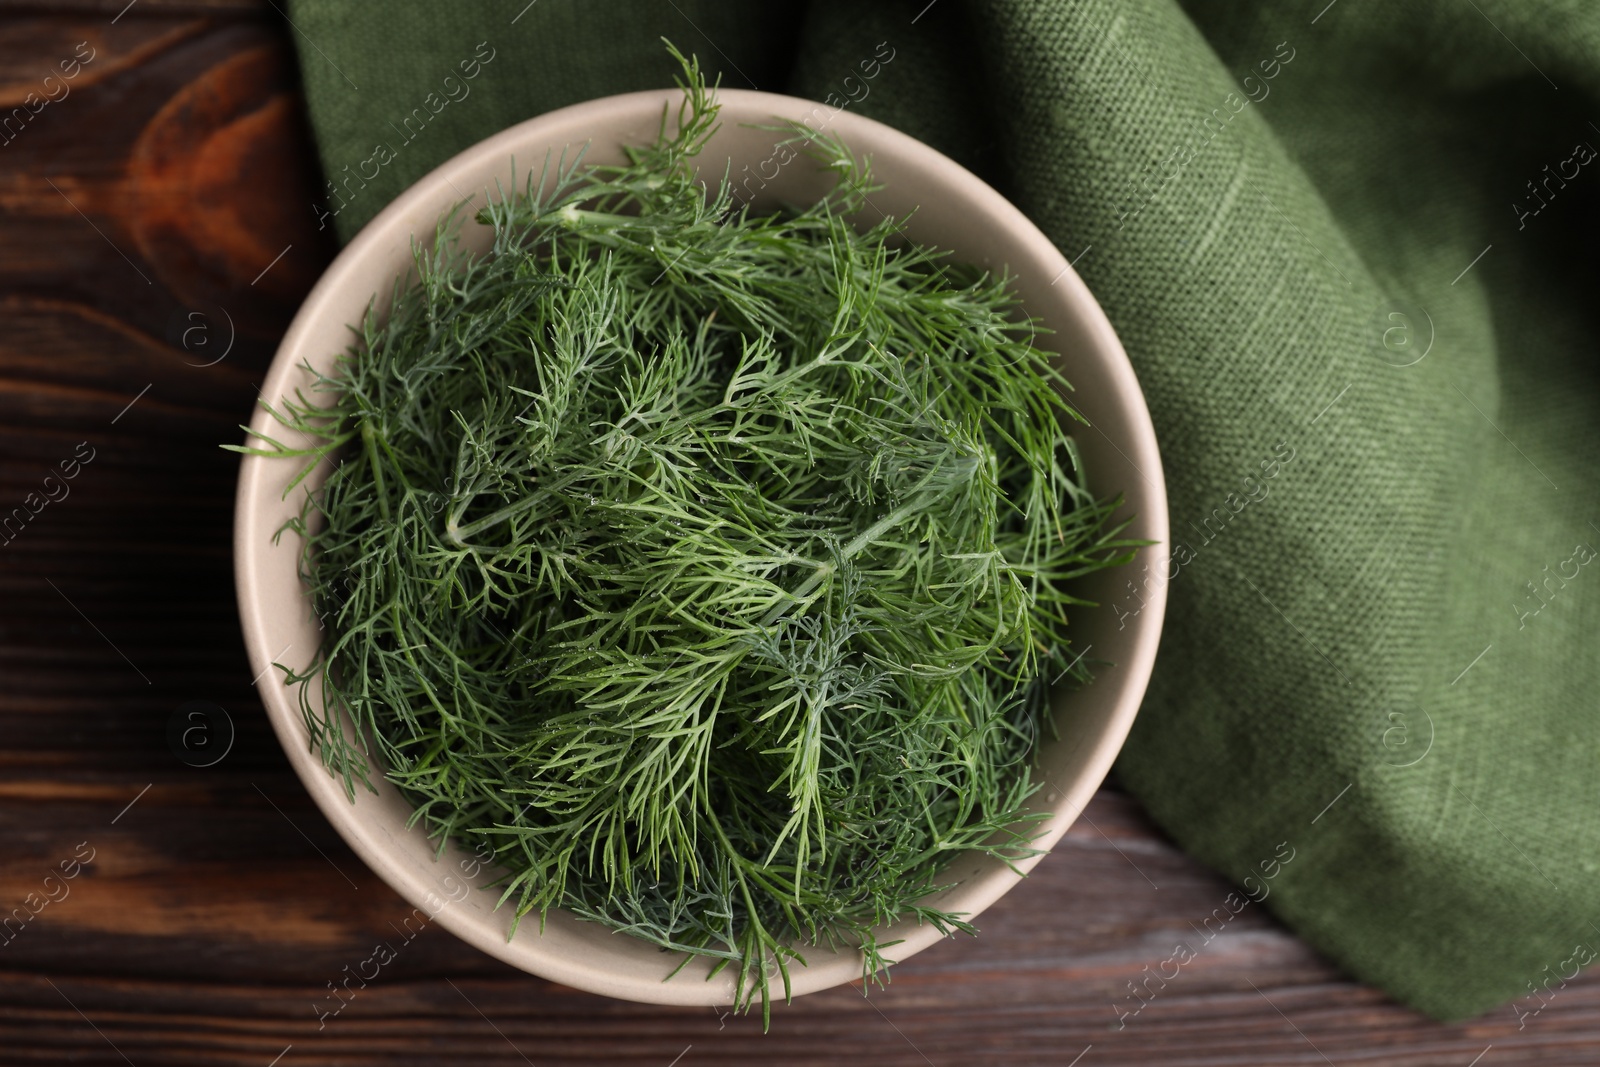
(955, 211)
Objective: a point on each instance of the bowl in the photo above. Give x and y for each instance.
(953, 210)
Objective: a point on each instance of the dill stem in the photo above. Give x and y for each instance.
(798, 598)
(572, 217)
(369, 445)
(757, 931)
(427, 757)
(460, 534)
(918, 503)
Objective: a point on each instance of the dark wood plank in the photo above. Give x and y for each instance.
(206, 931)
(114, 9)
(140, 218)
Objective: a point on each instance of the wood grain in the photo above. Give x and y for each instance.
(143, 290)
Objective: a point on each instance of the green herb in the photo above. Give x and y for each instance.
(710, 568)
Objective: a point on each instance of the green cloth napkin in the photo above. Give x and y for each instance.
(1348, 249)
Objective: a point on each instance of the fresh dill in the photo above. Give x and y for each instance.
(709, 567)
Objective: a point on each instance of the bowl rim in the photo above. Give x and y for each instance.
(251, 543)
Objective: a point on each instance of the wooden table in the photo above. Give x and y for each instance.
(156, 239)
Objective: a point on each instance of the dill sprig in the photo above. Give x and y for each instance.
(708, 567)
